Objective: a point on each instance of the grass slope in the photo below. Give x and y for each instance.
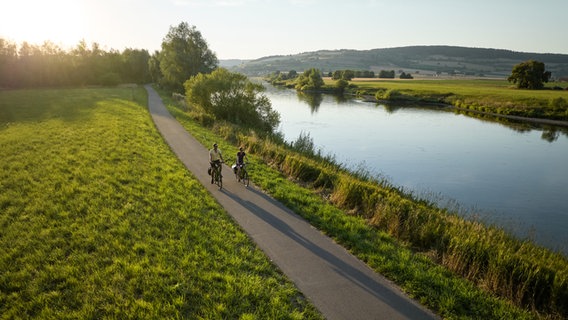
(98, 219)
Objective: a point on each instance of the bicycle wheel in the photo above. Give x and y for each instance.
(245, 178)
(219, 180)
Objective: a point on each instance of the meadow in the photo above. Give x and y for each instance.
(99, 219)
(490, 96)
(460, 269)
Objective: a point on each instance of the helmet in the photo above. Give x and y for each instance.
(241, 148)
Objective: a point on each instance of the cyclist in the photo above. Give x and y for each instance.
(241, 155)
(215, 159)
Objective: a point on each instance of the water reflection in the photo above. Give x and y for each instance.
(505, 172)
(313, 100)
(549, 133)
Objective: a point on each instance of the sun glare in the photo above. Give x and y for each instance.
(36, 21)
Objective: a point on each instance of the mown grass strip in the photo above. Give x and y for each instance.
(99, 219)
(417, 273)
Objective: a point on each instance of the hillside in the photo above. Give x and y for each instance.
(417, 60)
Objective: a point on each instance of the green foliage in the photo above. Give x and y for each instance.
(341, 84)
(310, 80)
(559, 103)
(100, 220)
(304, 144)
(135, 66)
(48, 65)
(232, 97)
(111, 79)
(384, 74)
(184, 54)
(350, 74)
(530, 74)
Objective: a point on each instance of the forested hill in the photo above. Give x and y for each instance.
(417, 60)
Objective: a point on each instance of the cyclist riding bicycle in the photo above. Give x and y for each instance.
(240, 159)
(215, 159)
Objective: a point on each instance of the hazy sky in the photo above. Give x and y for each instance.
(250, 29)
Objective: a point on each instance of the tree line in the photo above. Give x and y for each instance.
(48, 65)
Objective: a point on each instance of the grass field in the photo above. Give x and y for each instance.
(493, 96)
(99, 219)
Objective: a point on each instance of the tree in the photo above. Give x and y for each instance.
(341, 84)
(184, 54)
(336, 75)
(530, 74)
(309, 80)
(386, 74)
(232, 97)
(135, 67)
(292, 74)
(348, 75)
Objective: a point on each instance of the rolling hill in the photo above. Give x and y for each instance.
(417, 60)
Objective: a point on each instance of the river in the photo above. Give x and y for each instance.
(512, 175)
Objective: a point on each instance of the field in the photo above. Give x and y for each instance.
(492, 96)
(99, 219)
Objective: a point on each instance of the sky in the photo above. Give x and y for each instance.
(252, 29)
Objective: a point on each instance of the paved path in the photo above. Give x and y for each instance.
(337, 283)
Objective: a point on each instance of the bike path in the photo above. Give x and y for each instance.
(338, 284)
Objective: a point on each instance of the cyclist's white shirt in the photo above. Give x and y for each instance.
(215, 156)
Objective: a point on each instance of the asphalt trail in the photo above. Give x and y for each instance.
(336, 282)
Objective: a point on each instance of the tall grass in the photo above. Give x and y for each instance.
(99, 219)
(455, 266)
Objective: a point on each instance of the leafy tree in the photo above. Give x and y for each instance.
(184, 54)
(530, 74)
(386, 74)
(309, 80)
(348, 75)
(292, 74)
(154, 67)
(232, 97)
(135, 66)
(336, 75)
(341, 84)
(48, 65)
(405, 75)
(8, 62)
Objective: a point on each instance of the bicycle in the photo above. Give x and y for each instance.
(241, 174)
(216, 175)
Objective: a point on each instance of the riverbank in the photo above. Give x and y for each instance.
(489, 97)
(372, 99)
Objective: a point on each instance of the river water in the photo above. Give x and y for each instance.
(514, 176)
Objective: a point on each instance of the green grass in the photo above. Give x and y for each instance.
(492, 96)
(458, 268)
(99, 219)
